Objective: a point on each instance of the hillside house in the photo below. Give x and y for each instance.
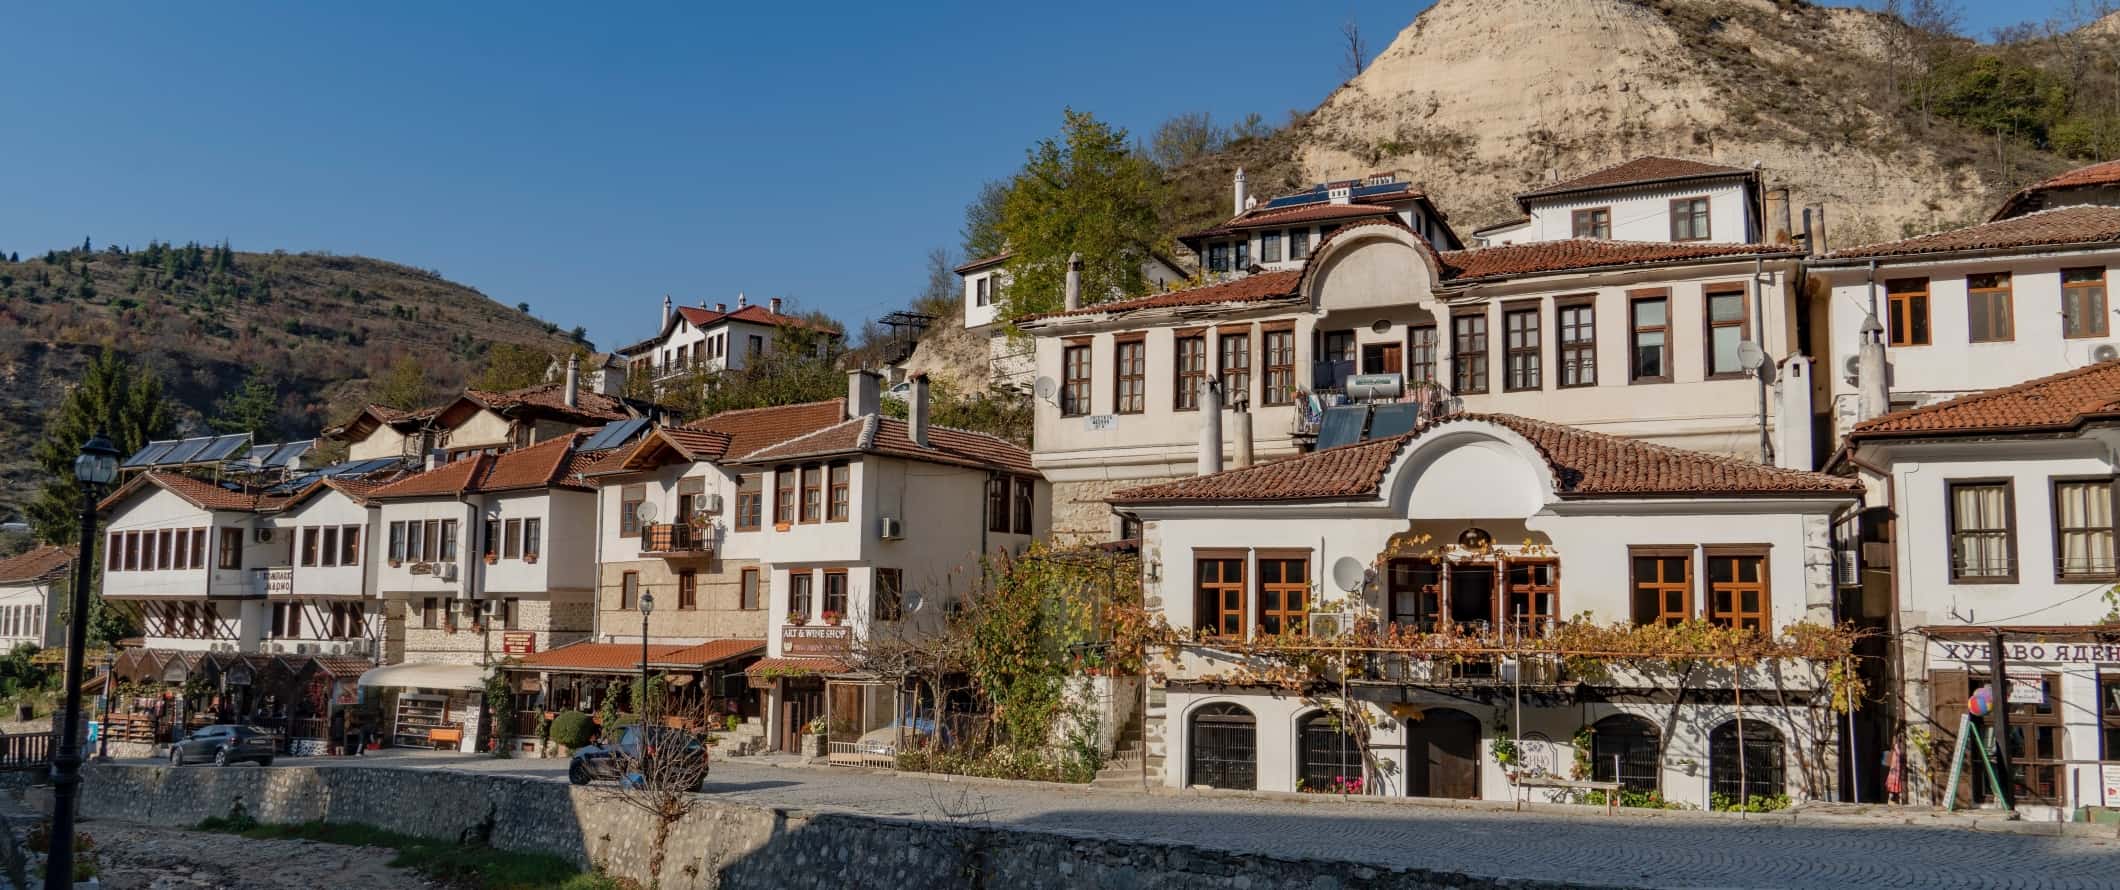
(698, 339)
(1009, 356)
(1673, 200)
(34, 586)
(481, 422)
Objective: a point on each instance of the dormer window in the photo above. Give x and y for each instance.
(1218, 257)
(1689, 219)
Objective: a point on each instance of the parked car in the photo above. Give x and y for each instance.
(224, 744)
(604, 760)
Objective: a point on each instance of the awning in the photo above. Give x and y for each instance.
(795, 667)
(707, 654)
(426, 676)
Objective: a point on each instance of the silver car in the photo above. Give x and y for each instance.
(225, 744)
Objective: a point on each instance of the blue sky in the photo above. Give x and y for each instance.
(588, 165)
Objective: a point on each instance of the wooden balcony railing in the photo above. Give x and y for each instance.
(673, 539)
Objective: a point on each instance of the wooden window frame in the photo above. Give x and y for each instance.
(1299, 237)
(1577, 217)
(1280, 380)
(1228, 368)
(512, 539)
(1981, 302)
(812, 503)
(1709, 325)
(1463, 380)
(198, 547)
(1077, 380)
(165, 544)
(2069, 296)
(1023, 506)
(397, 541)
(1291, 621)
(2112, 493)
(1531, 351)
(1270, 246)
(1129, 375)
(1187, 380)
(804, 580)
(750, 586)
(114, 553)
(1535, 619)
(784, 495)
(1422, 359)
(997, 504)
(311, 545)
(750, 502)
(490, 538)
(182, 562)
(1221, 589)
(628, 590)
(349, 545)
(533, 538)
(2009, 528)
(1564, 348)
(1663, 586)
(1706, 219)
(839, 493)
(1737, 614)
(446, 538)
(1635, 330)
(230, 557)
(430, 614)
(1900, 315)
(826, 596)
(630, 497)
(687, 589)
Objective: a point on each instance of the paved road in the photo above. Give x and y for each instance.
(1630, 851)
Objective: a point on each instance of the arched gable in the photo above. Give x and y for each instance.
(1470, 468)
(1368, 265)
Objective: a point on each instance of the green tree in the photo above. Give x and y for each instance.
(404, 387)
(982, 221)
(802, 366)
(1088, 192)
(116, 398)
(252, 407)
(513, 366)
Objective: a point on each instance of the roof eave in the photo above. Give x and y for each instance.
(1523, 199)
(1856, 262)
(1455, 284)
(1154, 314)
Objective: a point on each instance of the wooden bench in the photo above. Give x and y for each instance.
(445, 738)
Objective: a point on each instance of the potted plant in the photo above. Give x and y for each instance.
(396, 562)
(813, 738)
(492, 558)
(797, 619)
(530, 558)
(830, 617)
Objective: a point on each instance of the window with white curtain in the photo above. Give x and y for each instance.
(2083, 528)
(1983, 537)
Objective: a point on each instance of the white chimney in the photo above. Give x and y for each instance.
(741, 300)
(1240, 196)
(1240, 436)
(574, 380)
(862, 399)
(1870, 370)
(721, 307)
(1074, 281)
(916, 415)
(1210, 427)
(666, 312)
(774, 306)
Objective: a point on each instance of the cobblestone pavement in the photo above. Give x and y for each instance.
(1675, 851)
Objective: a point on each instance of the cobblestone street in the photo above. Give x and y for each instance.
(1667, 850)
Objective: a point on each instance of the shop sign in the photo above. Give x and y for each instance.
(420, 568)
(519, 642)
(816, 639)
(2111, 774)
(279, 582)
(1103, 423)
(2044, 653)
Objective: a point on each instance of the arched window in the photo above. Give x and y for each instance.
(1623, 749)
(1329, 757)
(1225, 748)
(1760, 773)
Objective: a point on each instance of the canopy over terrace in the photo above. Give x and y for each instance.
(704, 677)
(291, 693)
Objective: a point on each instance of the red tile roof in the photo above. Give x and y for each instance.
(550, 463)
(1248, 289)
(2077, 224)
(890, 436)
(701, 317)
(687, 444)
(2096, 175)
(750, 429)
(982, 262)
(202, 494)
(796, 666)
(2055, 403)
(1585, 464)
(708, 653)
(41, 563)
(587, 656)
(344, 667)
(1579, 254)
(1646, 170)
(551, 398)
(1261, 217)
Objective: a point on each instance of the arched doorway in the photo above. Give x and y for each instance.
(1443, 755)
(1623, 749)
(1328, 757)
(1762, 773)
(1224, 749)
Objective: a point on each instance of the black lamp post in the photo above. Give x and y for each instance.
(95, 468)
(647, 604)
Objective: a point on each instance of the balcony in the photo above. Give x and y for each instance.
(675, 541)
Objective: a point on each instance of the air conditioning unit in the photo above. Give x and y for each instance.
(492, 607)
(304, 649)
(1847, 568)
(445, 571)
(263, 534)
(890, 528)
(711, 503)
(279, 648)
(1327, 625)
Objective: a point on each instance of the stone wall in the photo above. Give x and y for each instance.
(715, 616)
(1080, 510)
(717, 845)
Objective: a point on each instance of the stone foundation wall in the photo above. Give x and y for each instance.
(717, 845)
(1080, 510)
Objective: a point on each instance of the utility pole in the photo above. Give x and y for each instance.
(1999, 687)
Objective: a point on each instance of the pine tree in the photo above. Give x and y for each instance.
(252, 407)
(122, 401)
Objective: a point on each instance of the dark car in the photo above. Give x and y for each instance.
(225, 744)
(618, 761)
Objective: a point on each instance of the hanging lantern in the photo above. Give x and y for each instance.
(1475, 538)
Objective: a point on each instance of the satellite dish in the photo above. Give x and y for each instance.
(646, 512)
(1349, 573)
(1750, 355)
(1045, 389)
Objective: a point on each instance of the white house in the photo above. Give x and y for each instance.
(1975, 308)
(1009, 355)
(320, 588)
(196, 556)
(34, 585)
(1487, 527)
(1280, 233)
(483, 422)
(697, 338)
(1997, 525)
(1644, 199)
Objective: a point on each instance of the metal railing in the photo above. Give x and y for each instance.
(26, 751)
(666, 537)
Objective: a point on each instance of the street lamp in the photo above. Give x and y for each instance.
(95, 468)
(647, 604)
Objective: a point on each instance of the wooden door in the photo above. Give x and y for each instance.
(798, 706)
(1444, 750)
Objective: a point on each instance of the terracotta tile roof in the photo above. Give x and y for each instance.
(1249, 289)
(701, 317)
(1585, 464)
(453, 478)
(1646, 170)
(983, 262)
(551, 398)
(1577, 254)
(201, 493)
(2078, 224)
(587, 656)
(344, 666)
(381, 415)
(2055, 403)
(750, 429)
(707, 653)
(547, 464)
(2093, 176)
(41, 563)
(1260, 217)
(797, 666)
(890, 436)
(687, 444)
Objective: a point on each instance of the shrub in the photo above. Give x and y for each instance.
(572, 729)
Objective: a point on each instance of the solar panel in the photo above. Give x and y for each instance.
(614, 435)
(150, 453)
(1342, 426)
(1396, 419)
(221, 447)
(185, 451)
(285, 454)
